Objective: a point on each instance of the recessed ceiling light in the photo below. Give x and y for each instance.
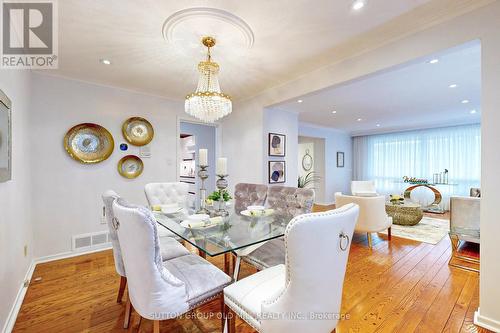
(105, 61)
(465, 101)
(473, 111)
(359, 119)
(378, 125)
(453, 85)
(334, 112)
(299, 101)
(358, 4)
(434, 61)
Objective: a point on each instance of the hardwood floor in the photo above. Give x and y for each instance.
(401, 286)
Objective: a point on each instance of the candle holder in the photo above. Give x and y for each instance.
(222, 185)
(203, 174)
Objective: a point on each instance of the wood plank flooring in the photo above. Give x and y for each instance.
(401, 286)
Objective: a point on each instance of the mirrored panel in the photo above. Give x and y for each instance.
(5, 138)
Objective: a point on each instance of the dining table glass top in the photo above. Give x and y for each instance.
(226, 234)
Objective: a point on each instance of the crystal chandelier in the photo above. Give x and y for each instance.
(208, 103)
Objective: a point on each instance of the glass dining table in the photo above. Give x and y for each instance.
(228, 234)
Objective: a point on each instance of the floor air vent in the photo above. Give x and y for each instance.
(90, 241)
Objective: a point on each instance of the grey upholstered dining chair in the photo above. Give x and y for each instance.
(169, 247)
(158, 289)
(287, 202)
(246, 194)
(295, 297)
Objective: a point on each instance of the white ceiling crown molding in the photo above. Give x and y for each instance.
(203, 13)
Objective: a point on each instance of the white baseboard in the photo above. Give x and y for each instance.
(14, 311)
(70, 254)
(11, 318)
(485, 322)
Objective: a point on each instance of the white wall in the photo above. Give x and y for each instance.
(67, 194)
(242, 142)
(282, 122)
(336, 179)
(16, 227)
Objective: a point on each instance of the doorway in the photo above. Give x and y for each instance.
(311, 163)
(193, 137)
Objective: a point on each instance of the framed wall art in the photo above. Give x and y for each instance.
(277, 144)
(340, 159)
(277, 172)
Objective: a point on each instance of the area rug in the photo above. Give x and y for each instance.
(429, 230)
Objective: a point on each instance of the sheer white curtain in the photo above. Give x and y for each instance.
(386, 158)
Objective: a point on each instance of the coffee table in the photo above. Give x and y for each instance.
(407, 213)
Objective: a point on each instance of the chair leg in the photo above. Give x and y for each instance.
(369, 239)
(389, 233)
(236, 269)
(128, 310)
(231, 321)
(156, 326)
(223, 310)
(227, 263)
(121, 290)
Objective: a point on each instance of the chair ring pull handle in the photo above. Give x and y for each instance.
(116, 223)
(343, 236)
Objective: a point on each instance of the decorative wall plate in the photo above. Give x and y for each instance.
(89, 143)
(130, 166)
(307, 161)
(138, 131)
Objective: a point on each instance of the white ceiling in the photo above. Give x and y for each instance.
(289, 36)
(414, 95)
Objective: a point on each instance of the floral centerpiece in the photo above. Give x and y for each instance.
(396, 199)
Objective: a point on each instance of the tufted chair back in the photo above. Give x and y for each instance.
(317, 248)
(167, 193)
(290, 201)
(249, 194)
(154, 291)
(108, 198)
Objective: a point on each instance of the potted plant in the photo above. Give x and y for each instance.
(308, 180)
(214, 198)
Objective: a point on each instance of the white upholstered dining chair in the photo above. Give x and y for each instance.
(169, 247)
(159, 194)
(285, 298)
(363, 188)
(372, 215)
(158, 289)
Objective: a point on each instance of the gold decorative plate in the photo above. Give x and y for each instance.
(89, 143)
(130, 166)
(138, 131)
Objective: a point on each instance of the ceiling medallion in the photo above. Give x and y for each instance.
(208, 103)
(211, 18)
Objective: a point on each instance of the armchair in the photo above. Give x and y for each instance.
(317, 248)
(464, 226)
(372, 215)
(363, 188)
